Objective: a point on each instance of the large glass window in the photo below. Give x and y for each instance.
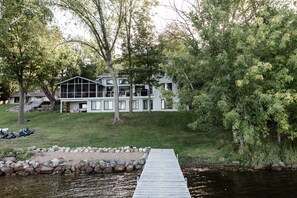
(135, 104)
(96, 105)
(145, 104)
(123, 91)
(122, 105)
(108, 105)
(123, 82)
(109, 82)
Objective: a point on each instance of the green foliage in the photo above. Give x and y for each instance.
(20, 153)
(239, 63)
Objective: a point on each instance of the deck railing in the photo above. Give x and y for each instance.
(102, 94)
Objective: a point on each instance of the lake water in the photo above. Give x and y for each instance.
(201, 184)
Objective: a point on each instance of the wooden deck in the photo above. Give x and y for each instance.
(161, 177)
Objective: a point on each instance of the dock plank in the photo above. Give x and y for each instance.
(161, 177)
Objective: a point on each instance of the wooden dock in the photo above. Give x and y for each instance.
(161, 177)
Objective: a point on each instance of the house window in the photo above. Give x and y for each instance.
(109, 92)
(123, 82)
(16, 99)
(108, 105)
(145, 104)
(109, 82)
(83, 106)
(96, 105)
(122, 105)
(124, 91)
(169, 86)
(165, 105)
(135, 104)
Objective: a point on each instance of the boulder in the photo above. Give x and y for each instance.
(108, 169)
(282, 164)
(55, 162)
(98, 169)
(141, 161)
(58, 170)
(119, 168)
(7, 170)
(129, 168)
(276, 167)
(46, 170)
(89, 170)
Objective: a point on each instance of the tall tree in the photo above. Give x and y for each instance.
(103, 19)
(136, 12)
(148, 55)
(244, 54)
(23, 25)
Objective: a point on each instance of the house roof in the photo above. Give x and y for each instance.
(80, 78)
(32, 94)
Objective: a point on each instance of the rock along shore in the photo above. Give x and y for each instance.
(9, 166)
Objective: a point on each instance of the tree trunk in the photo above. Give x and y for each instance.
(1, 6)
(131, 95)
(149, 98)
(21, 105)
(116, 118)
(279, 138)
(50, 95)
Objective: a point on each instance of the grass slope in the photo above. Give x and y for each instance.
(156, 129)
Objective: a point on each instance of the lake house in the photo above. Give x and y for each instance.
(80, 94)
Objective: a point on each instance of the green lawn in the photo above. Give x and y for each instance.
(156, 129)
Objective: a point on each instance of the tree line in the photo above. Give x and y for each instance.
(234, 61)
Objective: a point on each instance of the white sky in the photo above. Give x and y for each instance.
(164, 15)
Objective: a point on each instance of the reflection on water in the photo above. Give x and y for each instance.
(242, 184)
(109, 185)
(201, 184)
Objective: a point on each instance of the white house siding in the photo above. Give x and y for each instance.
(99, 104)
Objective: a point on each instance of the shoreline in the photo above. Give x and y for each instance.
(57, 160)
(76, 161)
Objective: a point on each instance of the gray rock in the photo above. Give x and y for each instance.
(19, 169)
(97, 169)
(29, 170)
(141, 161)
(47, 163)
(282, 164)
(135, 163)
(138, 167)
(108, 169)
(55, 147)
(46, 170)
(55, 162)
(36, 164)
(89, 170)
(7, 170)
(119, 168)
(276, 167)
(129, 168)
(58, 170)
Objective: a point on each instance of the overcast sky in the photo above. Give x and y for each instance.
(164, 15)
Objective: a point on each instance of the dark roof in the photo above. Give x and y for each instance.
(32, 94)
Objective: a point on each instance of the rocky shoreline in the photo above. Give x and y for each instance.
(9, 166)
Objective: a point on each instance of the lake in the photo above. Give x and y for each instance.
(201, 184)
